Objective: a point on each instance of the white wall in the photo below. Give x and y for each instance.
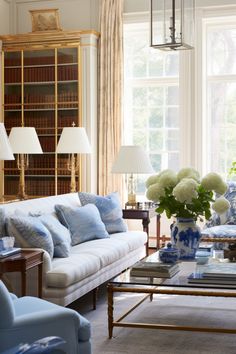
(73, 14)
(5, 8)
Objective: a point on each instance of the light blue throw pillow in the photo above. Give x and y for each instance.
(109, 208)
(30, 232)
(60, 235)
(84, 223)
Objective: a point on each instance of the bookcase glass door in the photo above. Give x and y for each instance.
(41, 89)
(68, 108)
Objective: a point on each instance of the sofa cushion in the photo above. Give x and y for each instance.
(60, 235)
(84, 223)
(88, 258)
(30, 232)
(68, 271)
(109, 208)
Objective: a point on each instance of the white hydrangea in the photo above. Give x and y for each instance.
(151, 180)
(221, 188)
(212, 181)
(188, 172)
(164, 172)
(168, 179)
(221, 205)
(154, 192)
(186, 190)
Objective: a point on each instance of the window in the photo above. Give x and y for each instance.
(220, 103)
(151, 106)
(200, 83)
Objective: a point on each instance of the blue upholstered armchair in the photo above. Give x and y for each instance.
(26, 319)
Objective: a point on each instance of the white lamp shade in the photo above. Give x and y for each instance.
(5, 147)
(24, 140)
(73, 140)
(132, 159)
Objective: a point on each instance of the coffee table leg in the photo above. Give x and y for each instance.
(110, 309)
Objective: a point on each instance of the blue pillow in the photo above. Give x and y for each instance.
(84, 223)
(109, 208)
(229, 217)
(220, 231)
(60, 235)
(30, 232)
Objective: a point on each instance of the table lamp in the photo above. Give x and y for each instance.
(5, 147)
(132, 160)
(24, 141)
(73, 140)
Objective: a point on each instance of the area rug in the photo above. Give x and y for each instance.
(168, 309)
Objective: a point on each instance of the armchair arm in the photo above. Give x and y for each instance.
(13, 296)
(47, 318)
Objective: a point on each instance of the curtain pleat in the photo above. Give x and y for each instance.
(110, 124)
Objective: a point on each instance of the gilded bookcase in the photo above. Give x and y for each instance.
(42, 87)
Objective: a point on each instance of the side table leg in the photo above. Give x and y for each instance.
(23, 283)
(110, 309)
(40, 280)
(145, 223)
(158, 230)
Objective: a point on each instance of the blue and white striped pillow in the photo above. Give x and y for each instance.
(30, 232)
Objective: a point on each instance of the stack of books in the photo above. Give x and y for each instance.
(9, 251)
(154, 269)
(219, 274)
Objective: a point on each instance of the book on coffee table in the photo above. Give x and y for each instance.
(222, 270)
(154, 269)
(199, 278)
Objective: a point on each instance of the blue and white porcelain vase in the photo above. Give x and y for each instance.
(185, 236)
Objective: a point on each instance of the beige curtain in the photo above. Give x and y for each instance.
(110, 94)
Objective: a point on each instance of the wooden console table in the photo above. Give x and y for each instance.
(21, 262)
(145, 215)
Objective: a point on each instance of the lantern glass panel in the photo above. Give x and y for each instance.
(172, 24)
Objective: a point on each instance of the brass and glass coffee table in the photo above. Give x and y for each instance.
(177, 285)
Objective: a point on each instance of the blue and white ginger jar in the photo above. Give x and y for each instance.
(185, 236)
(169, 254)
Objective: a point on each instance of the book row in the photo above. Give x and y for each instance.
(41, 74)
(44, 60)
(37, 101)
(38, 186)
(44, 161)
(40, 120)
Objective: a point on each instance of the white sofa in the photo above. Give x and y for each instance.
(88, 265)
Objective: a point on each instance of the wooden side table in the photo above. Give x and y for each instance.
(21, 262)
(145, 215)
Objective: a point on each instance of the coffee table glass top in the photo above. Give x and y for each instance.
(178, 280)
